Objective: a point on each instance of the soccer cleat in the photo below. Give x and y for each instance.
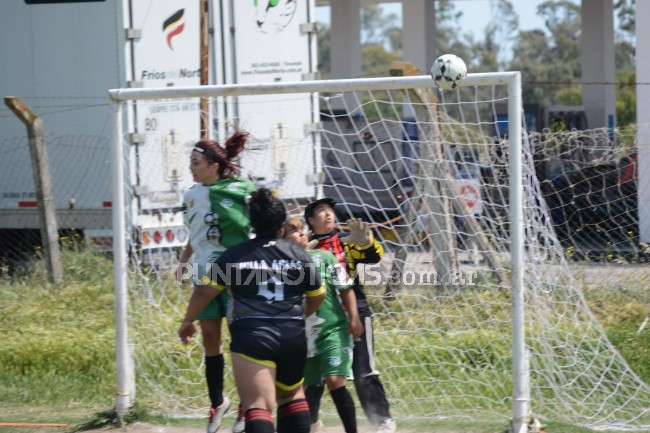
(240, 422)
(317, 427)
(387, 426)
(216, 415)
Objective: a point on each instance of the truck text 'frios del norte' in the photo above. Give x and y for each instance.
(61, 58)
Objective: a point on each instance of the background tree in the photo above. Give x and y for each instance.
(625, 12)
(377, 60)
(549, 59)
(626, 97)
(625, 62)
(449, 38)
(501, 31)
(379, 38)
(376, 26)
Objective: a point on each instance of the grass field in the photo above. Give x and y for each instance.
(58, 358)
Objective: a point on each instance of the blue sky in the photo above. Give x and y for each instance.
(475, 11)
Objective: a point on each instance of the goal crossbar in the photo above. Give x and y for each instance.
(360, 84)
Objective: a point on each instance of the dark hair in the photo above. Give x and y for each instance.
(224, 156)
(267, 213)
(311, 207)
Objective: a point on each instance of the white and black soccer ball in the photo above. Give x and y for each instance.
(447, 70)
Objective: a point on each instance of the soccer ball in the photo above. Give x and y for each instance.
(447, 70)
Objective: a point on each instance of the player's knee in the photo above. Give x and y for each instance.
(334, 382)
(210, 333)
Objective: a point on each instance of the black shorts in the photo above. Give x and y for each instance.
(280, 341)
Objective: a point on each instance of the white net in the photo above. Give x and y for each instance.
(431, 173)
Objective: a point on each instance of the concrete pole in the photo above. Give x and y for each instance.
(43, 185)
(643, 117)
(598, 63)
(204, 49)
(345, 50)
(419, 34)
(345, 38)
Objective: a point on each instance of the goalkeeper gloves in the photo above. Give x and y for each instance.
(359, 234)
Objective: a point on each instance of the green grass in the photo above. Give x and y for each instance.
(58, 357)
(58, 353)
(621, 313)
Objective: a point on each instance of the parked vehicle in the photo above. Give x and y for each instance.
(63, 58)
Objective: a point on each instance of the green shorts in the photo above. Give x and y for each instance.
(333, 362)
(216, 308)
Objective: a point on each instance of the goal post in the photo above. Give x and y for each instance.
(125, 390)
(484, 315)
(520, 373)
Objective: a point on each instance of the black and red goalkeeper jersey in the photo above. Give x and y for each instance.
(349, 255)
(332, 242)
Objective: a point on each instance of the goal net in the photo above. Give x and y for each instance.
(465, 298)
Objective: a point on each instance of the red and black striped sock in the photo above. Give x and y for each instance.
(259, 421)
(293, 417)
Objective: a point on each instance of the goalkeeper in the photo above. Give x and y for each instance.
(329, 332)
(358, 247)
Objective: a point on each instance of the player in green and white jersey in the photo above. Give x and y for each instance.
(216, 213)
(330, 333)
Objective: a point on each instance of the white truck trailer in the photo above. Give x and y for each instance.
(60, 57)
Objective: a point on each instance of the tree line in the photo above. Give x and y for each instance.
(548, 57)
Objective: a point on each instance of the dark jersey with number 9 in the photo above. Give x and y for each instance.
(268, 279)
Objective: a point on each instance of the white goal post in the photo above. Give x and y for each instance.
(447, 180)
